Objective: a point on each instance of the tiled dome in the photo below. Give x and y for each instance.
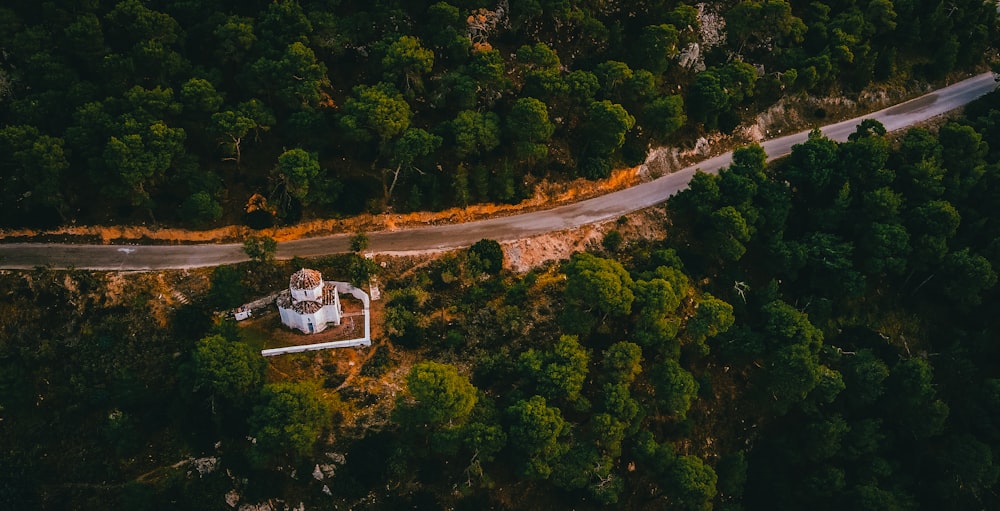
(306, 307)
(305, 279)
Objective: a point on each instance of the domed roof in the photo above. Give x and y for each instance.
(306, 307)
(305, 279)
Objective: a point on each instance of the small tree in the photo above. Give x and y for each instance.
(442, 395)
(486, 256)
(228, 371)
(359, 242)
(535, 431)
(288, 422)
(260, 249)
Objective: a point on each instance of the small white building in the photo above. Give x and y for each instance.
(310, 303)
(243, 312)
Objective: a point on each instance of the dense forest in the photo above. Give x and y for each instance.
(192, 112)
(819, 333)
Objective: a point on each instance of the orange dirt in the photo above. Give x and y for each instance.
(546, 195)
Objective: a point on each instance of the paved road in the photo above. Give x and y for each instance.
(606, 207)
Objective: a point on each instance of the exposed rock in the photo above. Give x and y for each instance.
(233, 497)
(205, 465)
(689, 56)
(263, 506)
(326, 490)
(336, 457)
(711, 33)
(328, 470)
(317, 473)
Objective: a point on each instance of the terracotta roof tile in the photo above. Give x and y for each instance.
(329, 293)
(306, 307)
(305, 279)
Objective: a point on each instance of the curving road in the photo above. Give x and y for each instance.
(598, 209)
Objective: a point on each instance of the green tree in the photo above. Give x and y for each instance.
(445, 29)
(963, 155)
(707, 99)
(538, 56)
(407, 59)
(884, 248)
(281, 23)
(970, 464)
(605, 126)
(199, 95)
(676, 388)
(228, 371)
(489, 73)
(793, 370)
(408, 150)
(597, 287)
(234, 38)
(622, 362)
(692, 483)
(260, 249)
(85, 39)
(529, 127)
(656, 302)
(486, 256)
(359, 242)
(558, 373)
(966, 276)
(582, 86)
(729, 234)
(711, 318)
(664, 116)
(361, 269)
(137, 160)
(443, 397)
(288, 422)
(754, 24)
(295, 78)
(296, 171)
(535, 431)
(475, 133)
(377, 110)
(921, 173)
(933, 225)
(33, 166)
(915, 409)
(864, 377)
(657, 45)
(201, 209)
(131, 21)
(613, 75)
(232, 126)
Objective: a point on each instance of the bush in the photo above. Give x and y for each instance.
(612, 241)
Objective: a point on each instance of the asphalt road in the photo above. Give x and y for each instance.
(442, 237)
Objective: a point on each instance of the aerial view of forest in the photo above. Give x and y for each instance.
(816, 332)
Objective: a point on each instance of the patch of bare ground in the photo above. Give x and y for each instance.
(525, 254)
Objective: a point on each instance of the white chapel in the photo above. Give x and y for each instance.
(310, 303)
